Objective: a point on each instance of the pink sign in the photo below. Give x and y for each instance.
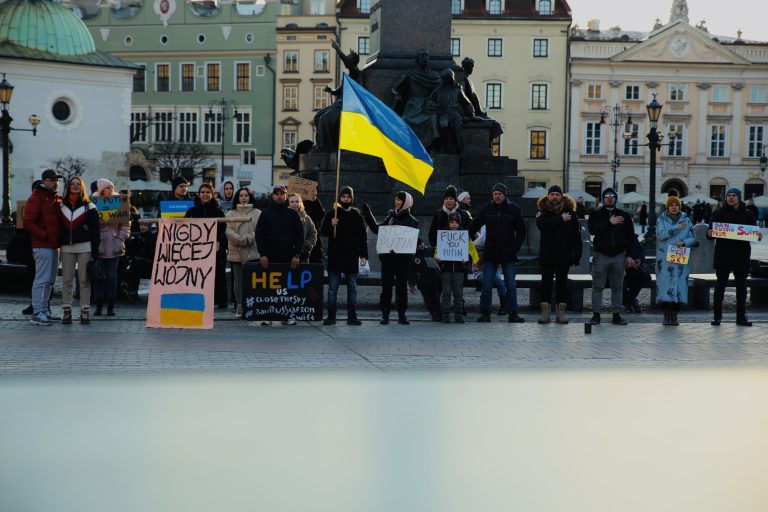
(183, 275)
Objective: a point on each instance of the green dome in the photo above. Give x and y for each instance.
(44, 25)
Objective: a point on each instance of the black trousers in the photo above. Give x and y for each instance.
(394, 271)
(560, 273)
(740, 276)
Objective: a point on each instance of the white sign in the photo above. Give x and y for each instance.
(452, 245)
(397, 239)
(679, 255)
(735, 231)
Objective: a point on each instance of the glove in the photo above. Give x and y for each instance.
(366, 208)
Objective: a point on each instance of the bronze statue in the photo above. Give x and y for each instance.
(450, 107)
(468, 65)
(411, 91)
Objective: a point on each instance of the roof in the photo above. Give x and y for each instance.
(95, 58)
(44, 26)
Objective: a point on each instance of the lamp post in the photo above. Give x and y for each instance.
(6, 91)
(616, 113)
(763, 161)
(223, 106)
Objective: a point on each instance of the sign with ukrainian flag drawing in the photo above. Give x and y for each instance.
(183, 275)
(174, 209)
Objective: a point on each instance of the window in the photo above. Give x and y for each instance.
(163, 127)
(593, 138)
(632, 92)
(456, 7)
(455, 46)
(719, 94)
(290, 97)
(717, 134)
(496, 146)
(364, 6)
(213, 77)
(248, 157)
(321, 97)
(630, 146)
(676, 92)
(494, 47)
(162, 77)
(545, 7)
(140, 80)
(541, 47)
(755, 141)
(676, 147)
(494, 7)
(536, 184)
(242, 128)
(188, 127)
(757, 95)
(629, 187)
(538, 145)
(594, 90)
(290, 135)
(321, 61)
(539, 97)
(212, 128)
(291, 61)
(363, 45)
(243, 76)
(138, 127)
(187, 72)
(492, 96)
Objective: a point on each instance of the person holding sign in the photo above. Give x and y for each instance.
(79, 244)
(674, 238)
(242, 244)
(310, 232)
(395, 267)
(453, 274)
(731, 255)
(347, 249)
(111, 247)
(559, 248)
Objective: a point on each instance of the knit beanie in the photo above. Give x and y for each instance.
(500, 187)
(672, 200)
(463, 196)
(102, 184)
(734, 190)
(609, 190)
(178, 180)
(450, 192)
(555, 188)
(347, 190)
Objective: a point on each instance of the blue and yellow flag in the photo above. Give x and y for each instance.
(370, 127)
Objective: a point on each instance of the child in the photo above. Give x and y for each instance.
(453, 273)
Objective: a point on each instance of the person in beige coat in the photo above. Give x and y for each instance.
(242, 244)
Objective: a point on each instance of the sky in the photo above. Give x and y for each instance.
(751, 16)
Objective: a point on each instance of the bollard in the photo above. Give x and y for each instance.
(587, 328)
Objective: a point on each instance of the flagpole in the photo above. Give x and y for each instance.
(336, 197)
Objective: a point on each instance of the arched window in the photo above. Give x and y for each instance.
(494, 6)
(137, 173)
(545, 7)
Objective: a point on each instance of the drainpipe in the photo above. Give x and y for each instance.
(267, 61)
(567, 124)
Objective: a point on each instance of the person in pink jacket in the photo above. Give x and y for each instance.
(111, 247)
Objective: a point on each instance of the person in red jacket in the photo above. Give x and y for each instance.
(42, 221)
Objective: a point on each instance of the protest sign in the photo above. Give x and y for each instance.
(305, 188)
(183, 275)
(679, 255)
(279, 292)
(20, 206)
(397, 239)
(174, 209)
(113, 209)
(452, 245)
(735, 231)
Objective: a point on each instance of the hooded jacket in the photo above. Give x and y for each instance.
(504, 231)
(350, 242)
(224, 203)
(730, 254)
(241, 235)
(560, 241)
(42, 218)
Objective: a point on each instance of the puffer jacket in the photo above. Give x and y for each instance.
(241, 235)
(42, 218)
(560, 241)
(310, 235)
(113, 237)
(80, 223)
(612, 239)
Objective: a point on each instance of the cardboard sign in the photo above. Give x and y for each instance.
(679, 255)
(305, 188)
(397, 239)
(735, 231)
(183, 275)
(174, 209)
(453, 245)
(279, 292)
(113, 209)
(20, 207)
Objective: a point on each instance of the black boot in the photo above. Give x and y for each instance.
(514, 318)
(617, 320)
(742, 321)
(673, 318)
(717, 313)
(352, 318)
(99, 305)
(111, 308)
(595, 320)
(667, 317)
(384, 318)
(331, 319)
(402, 320)
(484, 317)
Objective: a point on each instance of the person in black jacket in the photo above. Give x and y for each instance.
(613, 250)
(504, 235)
(559, 248)
(347, 249)
(440, 217)
(395, 268)
(732, 256)
(279, 235)
(207, 207)
(178, 191)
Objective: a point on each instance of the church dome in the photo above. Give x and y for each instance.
(45, 26)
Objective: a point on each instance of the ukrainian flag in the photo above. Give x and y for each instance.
(370, 127)
(182, 309)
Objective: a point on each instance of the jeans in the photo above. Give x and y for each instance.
(334, 278)
(607, 267)
(509, 269)
(107, 288)
(46, 270)
(68, 261)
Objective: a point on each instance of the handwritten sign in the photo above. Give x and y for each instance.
(279, 292)
(305, 188)
(397, 239)
(453, 245)
(20, 207)
(113, 209)
(183, 275)
(735, 231)
(174, 209)
(679, 255)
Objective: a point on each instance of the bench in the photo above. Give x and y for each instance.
(702, 283)
(14, 277)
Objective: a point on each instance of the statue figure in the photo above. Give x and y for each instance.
(468, 65)
(411, 92)
(450, 107)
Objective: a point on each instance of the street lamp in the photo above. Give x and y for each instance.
(763, 161)
(6, 91)
(223, 106)
(616, 113)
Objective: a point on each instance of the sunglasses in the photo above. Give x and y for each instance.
(613, 196)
